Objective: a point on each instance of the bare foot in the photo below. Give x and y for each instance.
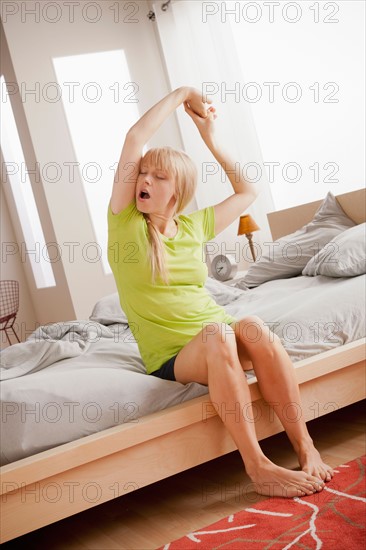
(272, 480)
(311, 463)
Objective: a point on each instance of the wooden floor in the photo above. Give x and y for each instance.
(153, 516)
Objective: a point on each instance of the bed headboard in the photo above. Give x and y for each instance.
(284, 222)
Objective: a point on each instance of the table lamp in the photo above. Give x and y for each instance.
(246, 227)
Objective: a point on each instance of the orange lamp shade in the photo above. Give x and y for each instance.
(247, 225)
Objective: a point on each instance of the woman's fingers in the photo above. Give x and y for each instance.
(203, 112)
(212, 111)
(198, 101)
(196, 117)
(198, 104)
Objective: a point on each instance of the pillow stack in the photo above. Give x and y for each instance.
(343, 256)
(289, 256)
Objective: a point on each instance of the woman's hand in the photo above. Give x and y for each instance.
(197, 102)
(205, 125)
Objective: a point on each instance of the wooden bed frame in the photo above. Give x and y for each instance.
(65, 480)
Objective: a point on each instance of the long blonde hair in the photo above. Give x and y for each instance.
(180, 167)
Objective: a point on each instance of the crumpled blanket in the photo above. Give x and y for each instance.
(48, 344)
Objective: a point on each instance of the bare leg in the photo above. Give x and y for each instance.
(211, 358)
(278, 385)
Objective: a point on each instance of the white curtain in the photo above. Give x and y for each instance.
(202, 54)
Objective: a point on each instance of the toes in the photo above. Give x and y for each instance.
(299, 491)
(326, 476)
(319, 469)
(310, 487)
(320, 487)
(322, 474)
(307, 490)
(326, 473)
(317, 484)
(313, 478)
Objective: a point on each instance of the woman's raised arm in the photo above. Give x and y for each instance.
(245, 192)
(125, 178)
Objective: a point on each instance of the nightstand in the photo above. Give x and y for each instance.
(239, 275)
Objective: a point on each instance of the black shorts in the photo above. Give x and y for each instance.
(166, 370)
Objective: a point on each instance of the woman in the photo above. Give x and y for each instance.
(182, 334)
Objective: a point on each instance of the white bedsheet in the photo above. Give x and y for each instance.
(309, 314)
(50, 397)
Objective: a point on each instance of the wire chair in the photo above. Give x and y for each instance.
(9, 305)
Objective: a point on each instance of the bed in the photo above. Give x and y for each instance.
(71, 463)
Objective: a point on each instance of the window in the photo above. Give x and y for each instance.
(100, 105)
(15, 171)
(304, 70)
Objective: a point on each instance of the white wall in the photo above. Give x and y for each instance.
(12, 268)
(305, 52)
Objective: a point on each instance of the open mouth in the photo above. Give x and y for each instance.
(144, 195)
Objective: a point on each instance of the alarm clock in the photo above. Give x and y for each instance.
(224, 267)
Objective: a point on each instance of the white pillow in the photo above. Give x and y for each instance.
(343, 256)
(288, 256)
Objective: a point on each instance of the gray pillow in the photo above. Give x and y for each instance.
(108, 311)
(343, 256)
(288, 256)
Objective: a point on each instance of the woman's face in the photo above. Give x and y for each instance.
(154, 191)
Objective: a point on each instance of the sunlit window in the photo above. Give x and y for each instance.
(100, 101)
(303, 67)
(33, 249)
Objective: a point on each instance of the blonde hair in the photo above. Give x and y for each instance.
(180, 167)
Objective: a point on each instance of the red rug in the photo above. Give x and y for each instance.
(333, 519)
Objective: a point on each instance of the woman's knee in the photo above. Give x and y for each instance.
(256, 336)
(221, 340)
